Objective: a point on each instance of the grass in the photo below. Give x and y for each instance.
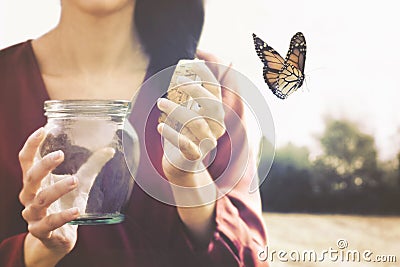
(300, 232)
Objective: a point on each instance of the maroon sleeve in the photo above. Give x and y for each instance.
(11, 251)
(21, 101)
(239, 228)
(238, 237)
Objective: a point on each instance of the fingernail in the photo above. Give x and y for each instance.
(162, 103)
(73, 180)
(74, 211)
(38, 133)
(199, 52)
(160, 127)
(56, 155)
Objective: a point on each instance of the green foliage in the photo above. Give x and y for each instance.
(350, 157)
(266, 156)
(293, 155)
(346, 178)
(288, 186)
(398, 175)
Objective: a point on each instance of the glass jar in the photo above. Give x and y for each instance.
(91, 133)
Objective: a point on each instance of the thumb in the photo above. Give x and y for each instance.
(207, 56)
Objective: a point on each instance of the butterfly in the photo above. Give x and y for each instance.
(283, 76)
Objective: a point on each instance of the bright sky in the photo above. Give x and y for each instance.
(352, 62)
(351, 66)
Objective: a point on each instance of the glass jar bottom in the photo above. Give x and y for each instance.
(95, 219)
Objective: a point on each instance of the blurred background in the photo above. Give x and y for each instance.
(336, 172)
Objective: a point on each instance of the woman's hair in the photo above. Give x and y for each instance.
(169, 29)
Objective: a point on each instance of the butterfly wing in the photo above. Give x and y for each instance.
(297, 51)
(289, 80)
(273, 62)
(283, 76)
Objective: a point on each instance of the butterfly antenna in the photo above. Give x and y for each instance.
(316, 69)
(306, 77)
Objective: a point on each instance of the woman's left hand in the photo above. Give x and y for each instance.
(185, 149)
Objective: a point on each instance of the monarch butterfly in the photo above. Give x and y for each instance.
(283, 76)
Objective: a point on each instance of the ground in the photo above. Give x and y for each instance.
(294, 233)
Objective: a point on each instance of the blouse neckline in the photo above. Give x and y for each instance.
(43, 93)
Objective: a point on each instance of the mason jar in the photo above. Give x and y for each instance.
(100, 149)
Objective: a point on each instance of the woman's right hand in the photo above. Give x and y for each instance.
(49, 238)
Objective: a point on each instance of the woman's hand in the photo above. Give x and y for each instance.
(185, 149)
(49, 238)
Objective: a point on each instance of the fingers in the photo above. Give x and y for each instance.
(203, 55)
(194, 89)
(28, 151)
(188, 148)
(37, 209)
(42, 229)
(192, 121)
(185, 145)
(211, 106)
(209, 81)
(33, 177)
(36, 204)
(203, 126)
(214, 63)
(40, 225)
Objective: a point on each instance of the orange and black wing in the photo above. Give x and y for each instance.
(283, 76)
(297, 51)
(273, 62)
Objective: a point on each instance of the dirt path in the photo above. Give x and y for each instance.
(294, 233)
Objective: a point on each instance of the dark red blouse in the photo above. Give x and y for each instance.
(152, 234)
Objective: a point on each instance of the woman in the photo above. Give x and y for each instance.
(117, 44)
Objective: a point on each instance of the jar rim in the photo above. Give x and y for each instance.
(92, 107)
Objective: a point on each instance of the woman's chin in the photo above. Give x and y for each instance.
(100, 7)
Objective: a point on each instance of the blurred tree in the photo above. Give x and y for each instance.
(349, 159)
(390, 193)
(294, 155)
(266, 153)
(398, 167)
(288, 187)
(346, 178)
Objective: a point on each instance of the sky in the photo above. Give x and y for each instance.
(351, 67)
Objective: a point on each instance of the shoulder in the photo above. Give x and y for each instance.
(15, 56)
(15, 51)
(17, 63)
(21, 97)
(21, 88)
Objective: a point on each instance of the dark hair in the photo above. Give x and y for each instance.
(169, 29)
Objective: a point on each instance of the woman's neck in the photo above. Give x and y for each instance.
(85, 43)
(91, 55)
